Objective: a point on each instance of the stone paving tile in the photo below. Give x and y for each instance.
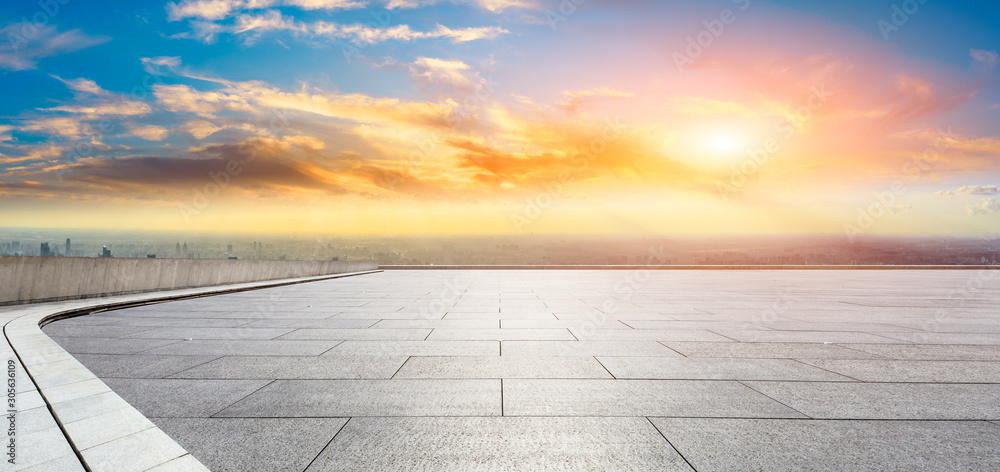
(667, 368)
(956, 352)
(783, 445)
(750, 336)
(771, 350)
(648, 335)
(185, 463)
(254, 314)
(862, 327)
(381, 315)
(252, 444)
(271, 368)
(347, 398)
(156, 448)
(586, 348)
(913, 371)
(309, 334)
(110, 345)
(97, 319)
(334, 323)
(840, 400)
(499, 316)
(992, 339)
(589, 315)
(529, 397)
(563, 324)
(241, 332)
(56, 379)
(173, 321)
(435, 324)
(683, 325)
(64, 463)
(495, 367)
(39, 447)
(474, 308)
(500, 334)
(75, 390)
(968, 327)
(87, 407)
(104, 331)
(176, 313)
(218, 347)
(416, 348)
(139, 366)
(425, 444)
(182, 398)
(34, 420)
(106, 427)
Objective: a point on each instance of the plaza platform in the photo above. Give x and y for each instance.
(549, 370)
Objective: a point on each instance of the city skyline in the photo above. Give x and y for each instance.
(538, 250)
(507, 117)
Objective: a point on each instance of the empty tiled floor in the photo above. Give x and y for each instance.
(569, 370)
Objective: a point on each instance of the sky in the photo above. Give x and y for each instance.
(451, 117)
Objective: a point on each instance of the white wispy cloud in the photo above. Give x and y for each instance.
(24, 44)
(63, 126)
(116, 107)
(495, 6)
(987, 58)
(575, 99)
(96, 101)
(986, 206)
(149, 132)
(200, 129)
(35, 152)
(155, 65)
(81, 85)
(183, 98)
(978, 190)
(272, 20)
(221, 9)
(442, 72)
(214, 10)
(260, 98)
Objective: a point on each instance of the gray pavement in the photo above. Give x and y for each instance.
(568, 370)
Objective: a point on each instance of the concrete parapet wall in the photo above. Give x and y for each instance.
(46, 279)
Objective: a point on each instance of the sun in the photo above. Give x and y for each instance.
(722, 144)
(715, 146)
(710, 145)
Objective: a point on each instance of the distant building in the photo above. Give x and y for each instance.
(150, 256)
(177, 251)
(68, 247)
(105, 252)
(44, 251)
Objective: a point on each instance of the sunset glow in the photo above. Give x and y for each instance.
(500, 117)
